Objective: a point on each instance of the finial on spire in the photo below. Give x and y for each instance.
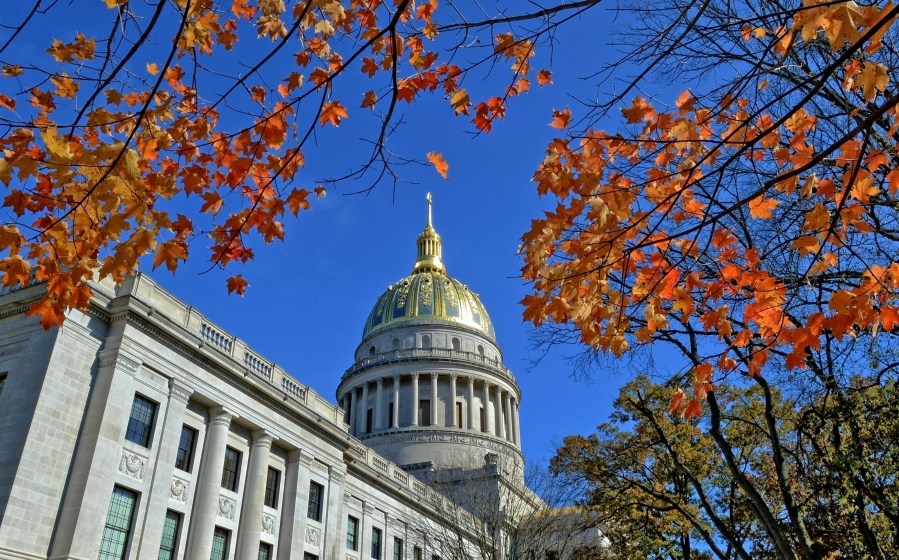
(429, 248)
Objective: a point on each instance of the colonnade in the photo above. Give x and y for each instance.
(501, 417)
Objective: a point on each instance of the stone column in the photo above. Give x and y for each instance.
(354, 410)
(415, 399)
(434, 399)
(507, 409)
(470, 403)
(395, 421)
(452, 402)
(209, 482)
(515, 426)
(292, 533)
(160, 488)
(500, 414)
(379, 405)
(250, 527)
(363, 409)
(488, 410)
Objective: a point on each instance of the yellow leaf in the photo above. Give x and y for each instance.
(56, 146)
(152, 68)
(872, 78)
(460, 101)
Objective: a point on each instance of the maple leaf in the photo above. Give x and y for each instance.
(692, 410)
(761, 207)
(639, 111)
(66, 87)
(369, 100)
(561, 119)
(439, 164)
(544, 77)
(320, 191)
(332, 112)
(296, 200)
(677, 402)
(872, 78)
(170, 252)
(237, 284)
(152, 68)
(460, 102)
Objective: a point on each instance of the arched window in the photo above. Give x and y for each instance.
(371, 351)
(425, 341)
(480, 350)
(457, 344)
(396, 344)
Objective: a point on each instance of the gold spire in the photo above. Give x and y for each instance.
(429, 248)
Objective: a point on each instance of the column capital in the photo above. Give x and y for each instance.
(396, 378)
(415, 375)
(336, 474)
(453, 375)
(262, 438)
(221, 415)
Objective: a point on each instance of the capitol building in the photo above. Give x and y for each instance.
(140, 429)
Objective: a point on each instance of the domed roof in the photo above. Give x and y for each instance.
(428, 294)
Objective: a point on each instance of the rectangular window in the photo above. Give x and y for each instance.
(185, 459)
(220, 540)
(231, 469)
(390, 415)
(368, 420)
(140, 424)
(483, 419)
(170, 530)
(552, 555)
(376, 543)
(2, 382)
(352, 533)
(316, 494)
(265, 551)
(308, 556)
(272, 486)
(417, 553)
(458, 415)
(397, 548)
(424, 412)
(117, 532)
(435, 557)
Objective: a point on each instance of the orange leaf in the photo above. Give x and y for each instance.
(677, 401)
(439, 164)
(544, 77)
(152, 68)
(237, 284)
(333, 112)
(460, 101)
(693, 410)
(369, 100)
(761, 207)
(296, 200)
(561, 119)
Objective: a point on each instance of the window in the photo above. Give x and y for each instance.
(231, 469)
(483, 419)
(424, 412)
(396, 344)
(458, 419)
(552, 555)
(397, 548)
(390, 414)
(272, 486)
(2, 383)
(371, 351)
(435, 557)
(417, 553)
(376, 543)
(481, 350)
(265, 551)
(316, 493)
(169, 545)
(220, 540)
(457, 344)
(369, 414)
(117, 531)
(140, 424)
(307, 556)
(185, 458)
(352, 533)
(425, 341)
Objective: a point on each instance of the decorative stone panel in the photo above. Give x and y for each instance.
(268, 524)
(133, 464)
(179, 490)
(313, 536)
(227, 507)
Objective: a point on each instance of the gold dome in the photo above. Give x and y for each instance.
(429, 294)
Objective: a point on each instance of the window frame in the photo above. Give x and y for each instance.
(170, 547)
(377, 544)
(354, 534)
(231, 476)
(397, 548)
(139, 431)
(114, 534)
(418, 553)
(184, 458)
(424, 412)
(314, 506)
(225, 534)
(269, 553)
(272, 491)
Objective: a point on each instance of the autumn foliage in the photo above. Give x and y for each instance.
(144, 127)
(744, 225)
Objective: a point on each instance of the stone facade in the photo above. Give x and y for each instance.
(71, 450)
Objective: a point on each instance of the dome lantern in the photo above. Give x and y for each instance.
(430, 249)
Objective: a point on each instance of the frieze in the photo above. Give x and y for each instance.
(179, 490)
(313, 536)
(133, 465)
(268, 524)
(227, 507)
